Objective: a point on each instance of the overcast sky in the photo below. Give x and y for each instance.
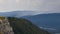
(32, 5)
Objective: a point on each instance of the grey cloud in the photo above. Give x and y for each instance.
(51, 5)
(32, 5)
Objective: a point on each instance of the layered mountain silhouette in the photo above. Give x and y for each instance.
(23, 26)
(17, 13)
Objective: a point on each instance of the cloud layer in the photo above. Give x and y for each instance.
(33, 5)
(47, 28)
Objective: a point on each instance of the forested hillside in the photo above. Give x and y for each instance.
(49, 22)
(23, 26)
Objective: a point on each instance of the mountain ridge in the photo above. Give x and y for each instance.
(51, 20)
(24, 26)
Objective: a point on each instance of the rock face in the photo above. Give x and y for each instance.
(5, 27)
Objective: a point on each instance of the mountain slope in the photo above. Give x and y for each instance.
(51, 21)
(23, 26)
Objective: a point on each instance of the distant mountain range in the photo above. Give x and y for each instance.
(17, 13)
(50, 22)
